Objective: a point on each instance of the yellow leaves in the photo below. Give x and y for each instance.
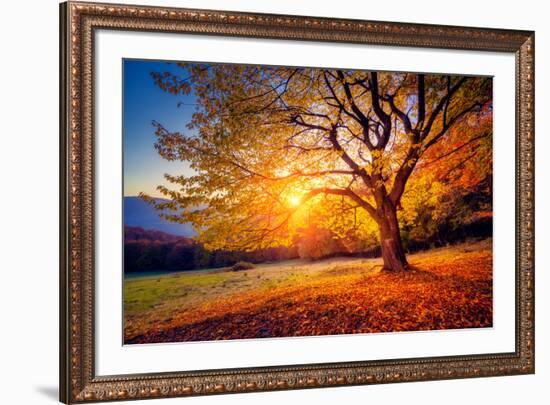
(376, 154)
(261, 138)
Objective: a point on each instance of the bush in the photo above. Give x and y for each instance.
(242, 266)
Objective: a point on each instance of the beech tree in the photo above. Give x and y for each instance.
(272, 146)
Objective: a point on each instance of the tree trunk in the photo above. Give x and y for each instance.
(393, 253)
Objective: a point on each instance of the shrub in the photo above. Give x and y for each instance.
(242, 266)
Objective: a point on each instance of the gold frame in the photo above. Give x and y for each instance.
(78, 381)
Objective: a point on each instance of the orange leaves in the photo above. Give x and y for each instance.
(448, 288)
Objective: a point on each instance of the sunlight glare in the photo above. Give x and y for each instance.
(294, 200)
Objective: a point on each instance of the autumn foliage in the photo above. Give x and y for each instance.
(448, 288)
(360, 154)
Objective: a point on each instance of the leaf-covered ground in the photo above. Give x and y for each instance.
(448, 288)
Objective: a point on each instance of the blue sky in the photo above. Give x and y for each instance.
(144, 102)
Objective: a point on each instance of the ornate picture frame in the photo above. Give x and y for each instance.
(78, 379)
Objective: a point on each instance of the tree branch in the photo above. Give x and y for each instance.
(404, 118)
(348, 160)
(339, 103)
(379, 111)
(443, 156)
(403, 174)
(346, 193)
(451, 122)
(446, 99)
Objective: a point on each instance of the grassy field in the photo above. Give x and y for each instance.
(448, 288)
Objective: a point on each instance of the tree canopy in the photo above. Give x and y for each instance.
(280, 150)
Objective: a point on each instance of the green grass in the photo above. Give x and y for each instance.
(152, 299)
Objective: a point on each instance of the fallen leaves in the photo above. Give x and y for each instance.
(450, 288)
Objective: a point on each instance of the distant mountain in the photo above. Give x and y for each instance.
(136, 233)
(138, 213)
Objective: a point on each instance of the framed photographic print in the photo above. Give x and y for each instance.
(260, 202)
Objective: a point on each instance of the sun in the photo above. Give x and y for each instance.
(294, 200)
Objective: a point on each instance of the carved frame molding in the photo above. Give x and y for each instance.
(78, 381)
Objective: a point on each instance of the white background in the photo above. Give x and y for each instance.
(29, 220)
